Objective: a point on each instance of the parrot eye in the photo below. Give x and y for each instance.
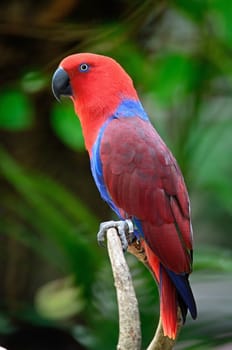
(83, 67)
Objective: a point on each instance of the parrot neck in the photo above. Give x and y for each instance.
(93, 117)
(91, 122)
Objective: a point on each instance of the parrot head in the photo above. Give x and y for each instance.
(97, 85)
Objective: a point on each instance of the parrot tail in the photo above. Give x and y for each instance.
(168, 294)
(168, 304)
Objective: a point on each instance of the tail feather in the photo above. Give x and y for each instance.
(168, 294)
(182, 285)
(168, 305)
(183, 308)
(175, 291)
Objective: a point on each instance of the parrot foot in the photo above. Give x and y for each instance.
(125, 230)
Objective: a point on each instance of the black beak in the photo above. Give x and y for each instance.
(61, 84)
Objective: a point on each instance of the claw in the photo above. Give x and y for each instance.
(125, 230)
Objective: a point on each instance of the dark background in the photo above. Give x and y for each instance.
(56, 287)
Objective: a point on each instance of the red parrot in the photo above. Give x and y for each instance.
(136, 174)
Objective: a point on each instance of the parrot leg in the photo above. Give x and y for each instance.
(125, 230)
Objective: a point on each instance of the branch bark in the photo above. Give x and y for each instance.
(160, 342)
(129, 321)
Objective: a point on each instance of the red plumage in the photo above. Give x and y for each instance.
(144, 180)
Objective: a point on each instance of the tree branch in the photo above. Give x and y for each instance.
(129, 321)
(160, 342)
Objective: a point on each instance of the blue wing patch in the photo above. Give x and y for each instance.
(96, 168)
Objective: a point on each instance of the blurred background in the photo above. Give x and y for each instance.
(56, 287)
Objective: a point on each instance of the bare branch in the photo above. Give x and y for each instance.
(129, 321)
(160, 342)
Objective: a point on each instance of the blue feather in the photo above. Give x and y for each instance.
(96, 168)
(182, 285)
(138, 227)
(131, 108)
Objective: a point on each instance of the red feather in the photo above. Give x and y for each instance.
(168, 294)
(144, 180)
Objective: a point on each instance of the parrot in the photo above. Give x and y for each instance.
(135, 173)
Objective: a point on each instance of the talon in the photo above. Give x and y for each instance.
(122, 235)
(125, 230)
(130, 225)
(101, 236)
(130, 234)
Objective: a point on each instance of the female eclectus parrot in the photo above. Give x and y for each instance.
(135, 173)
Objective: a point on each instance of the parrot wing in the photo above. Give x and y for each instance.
(143, 180)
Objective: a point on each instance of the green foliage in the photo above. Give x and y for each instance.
(221, 12)
(67, 126)
(207, 138)
(196, 9)
(205, 260)
(54, 213)
(59, 300)
(173, 77)
(34, 81)
(16, 110)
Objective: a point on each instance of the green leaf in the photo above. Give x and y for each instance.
(196, 9)
(60, 299)
(33, 81)
(16, 111)
(208, 149)
(221, 12)
(213, 259)
(67, 126)
(173, 76)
